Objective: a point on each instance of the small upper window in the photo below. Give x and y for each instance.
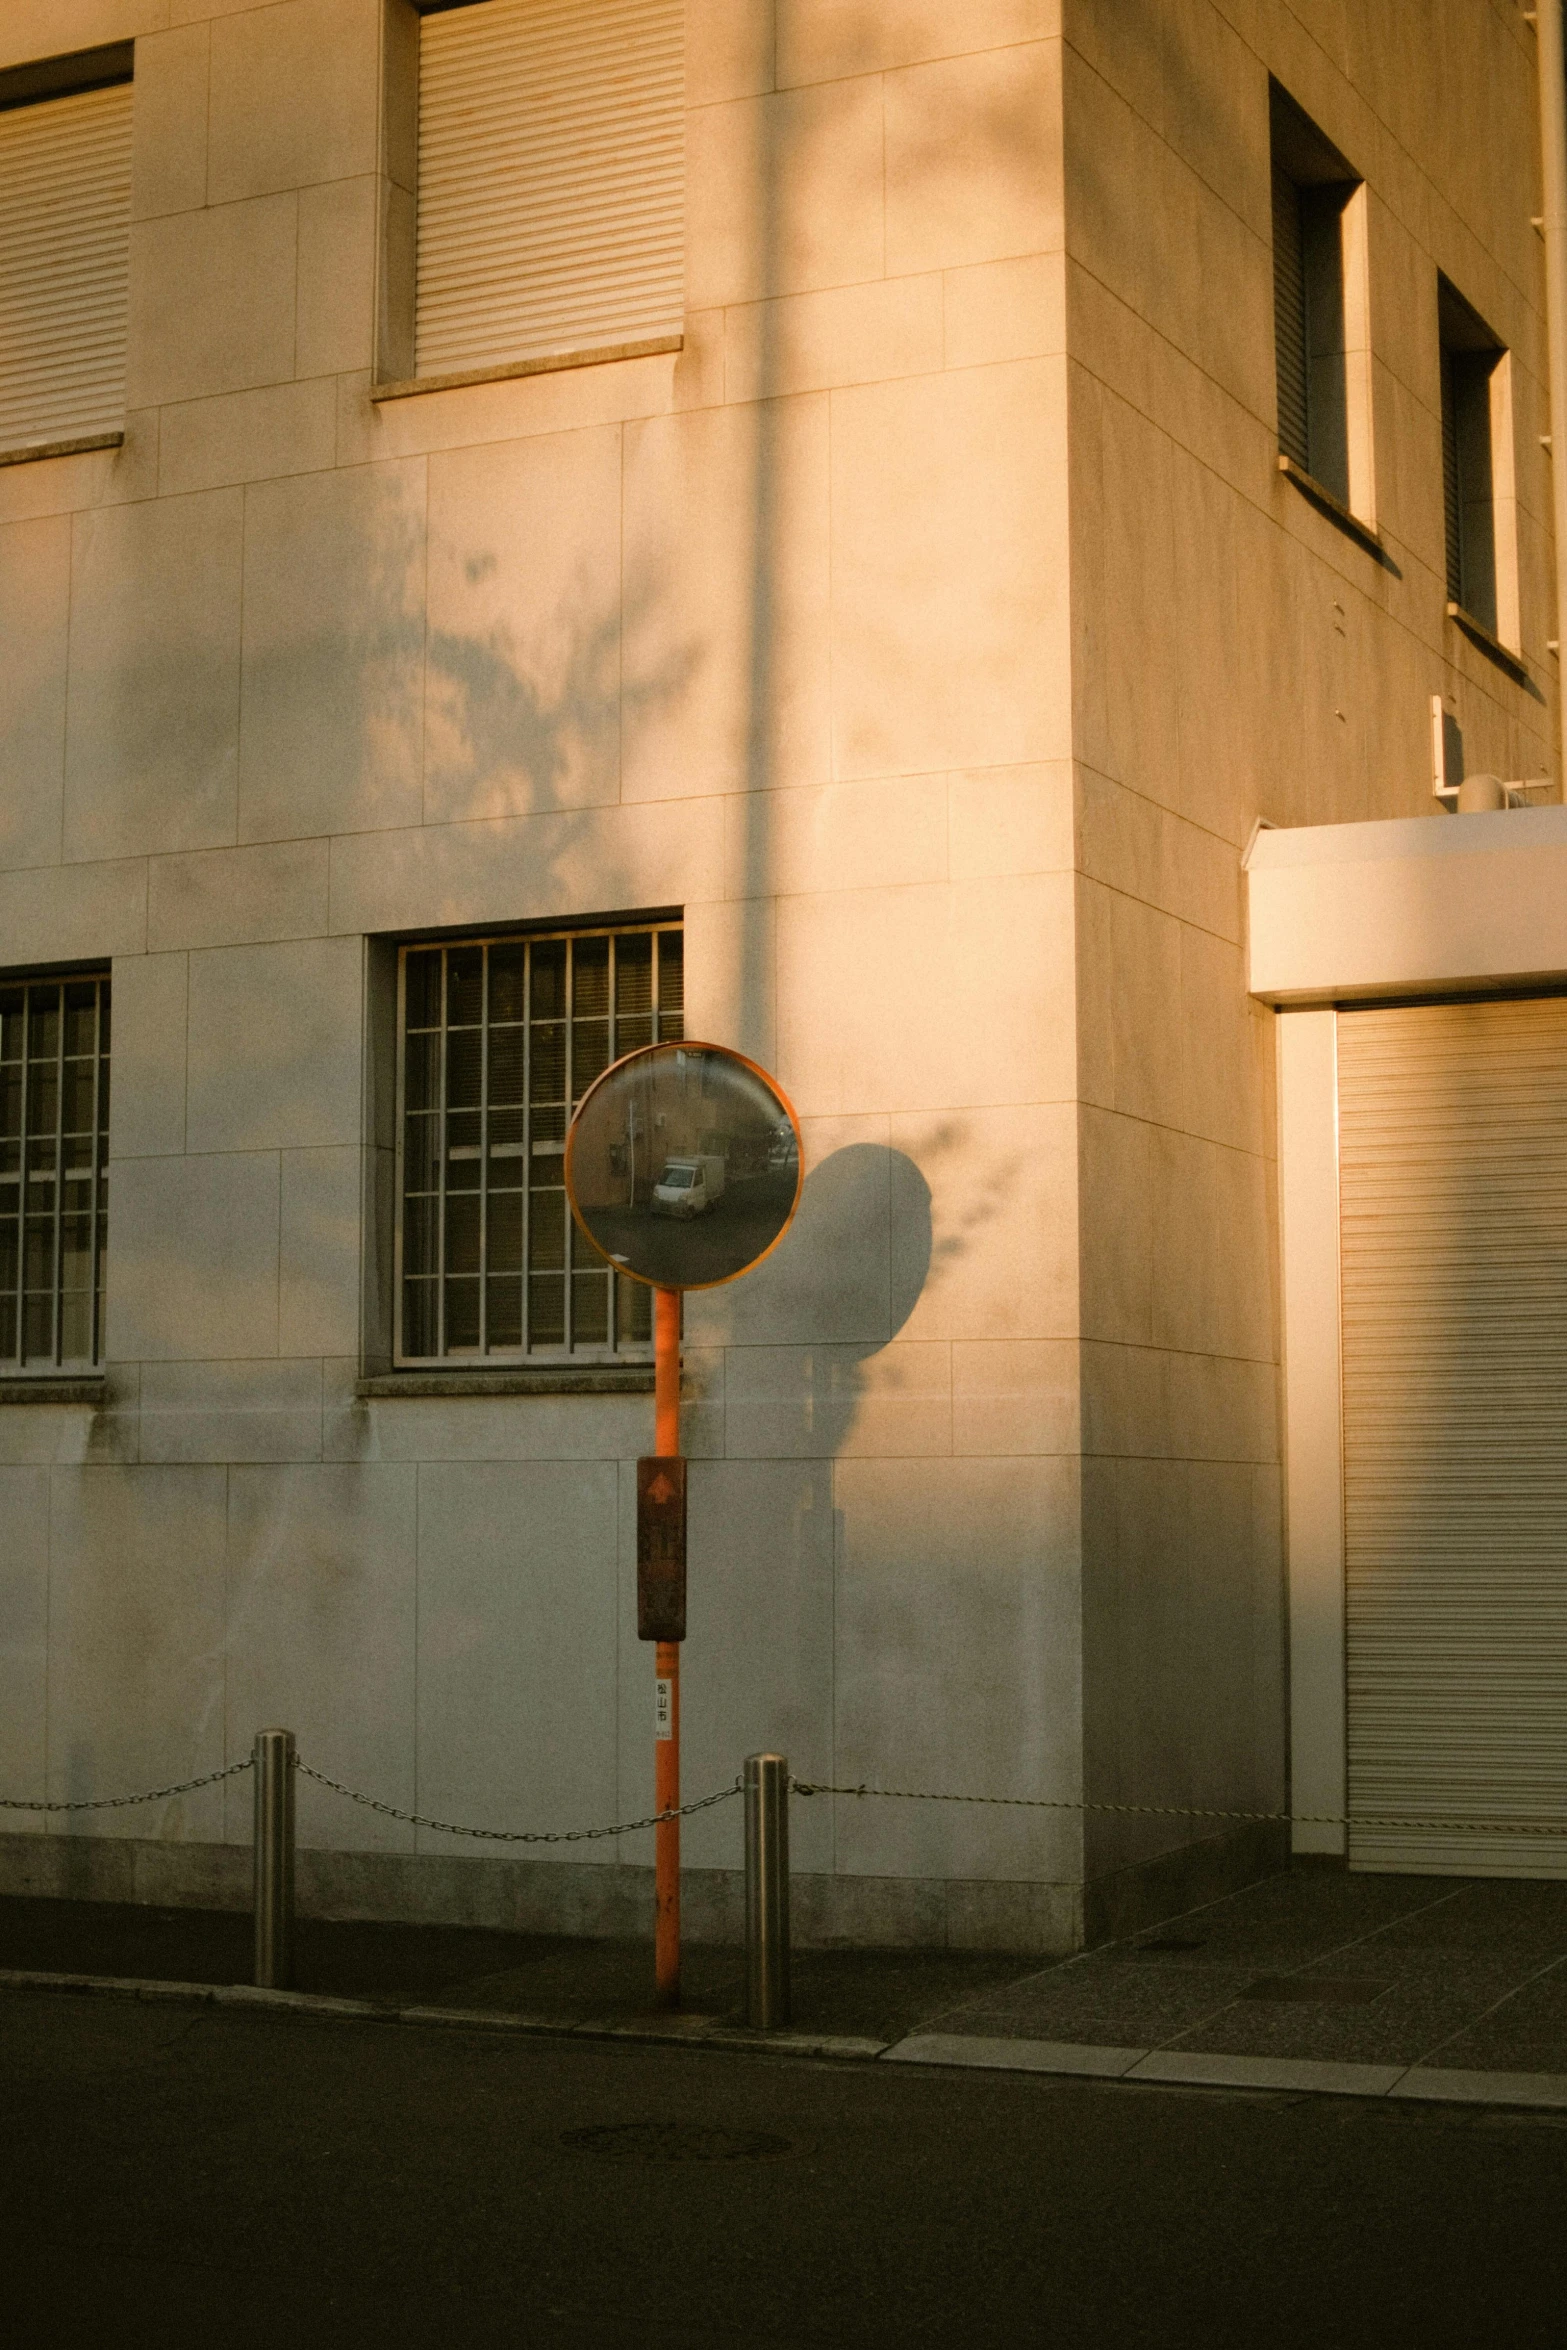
(551, 181)
(1318, 308)
(1475, 455)
(65, 209)
(54, 1153)
(500, 1040)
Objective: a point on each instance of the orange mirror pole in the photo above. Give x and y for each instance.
(706, 1219)
(666, 1666)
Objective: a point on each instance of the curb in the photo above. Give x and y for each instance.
(1061, 2059)
(679, 2031)
(1199, 2069)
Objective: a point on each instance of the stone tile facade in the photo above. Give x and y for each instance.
(931, 629)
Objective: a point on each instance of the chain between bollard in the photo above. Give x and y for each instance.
(388, 1810)
(519, 1835)
(1189, 1811)
(121, 1802)
(804, 1787)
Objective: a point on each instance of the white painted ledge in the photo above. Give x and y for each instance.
(1418, 905)
(549, 363)
(31, 451)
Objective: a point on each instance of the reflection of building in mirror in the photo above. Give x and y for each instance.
(684, 1136)
(692, 1108)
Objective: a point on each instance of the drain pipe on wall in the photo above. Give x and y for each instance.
(1553, 176)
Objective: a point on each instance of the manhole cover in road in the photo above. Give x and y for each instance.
(673, 2142)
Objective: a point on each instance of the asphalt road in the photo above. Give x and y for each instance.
(687, 1252)
(178, 2177)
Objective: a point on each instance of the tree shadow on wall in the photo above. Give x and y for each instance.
(397, 676)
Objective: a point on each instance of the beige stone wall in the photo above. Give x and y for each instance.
(932, 628)
(1239, 655)
(773, 629)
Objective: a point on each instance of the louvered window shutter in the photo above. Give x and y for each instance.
(1289, 317)
(551, 180)
(65, 208)
(1452, 495)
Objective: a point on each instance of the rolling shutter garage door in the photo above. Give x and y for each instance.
(551, 180)
(1453, 1202)
(65, 211)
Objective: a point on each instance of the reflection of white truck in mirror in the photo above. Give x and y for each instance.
(692, 1182)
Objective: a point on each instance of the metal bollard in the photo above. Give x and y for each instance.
(766, 1891)
(274, 1774)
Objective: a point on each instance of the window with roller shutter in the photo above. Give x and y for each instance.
(65, 205)
(1312, 190)
(551, 182)
(1472, 364)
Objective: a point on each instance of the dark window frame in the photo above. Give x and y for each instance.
(1470, 357)
(44, 1234)
(67, 77)
(568, 1004)
(1313, 186)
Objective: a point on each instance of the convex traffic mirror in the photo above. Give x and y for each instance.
(683, 1165)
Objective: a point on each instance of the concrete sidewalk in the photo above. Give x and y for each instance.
(874, 1996)
(1315, 1979)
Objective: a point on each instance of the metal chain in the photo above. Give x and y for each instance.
(119, 1802)
(519, 1835)
(1161, 1811)
(1189, 1811)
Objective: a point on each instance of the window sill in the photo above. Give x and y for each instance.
(89, 1387)
(599, 356)
(37, 449)
(1478, 634)
(547, 1379)
(1334, 508)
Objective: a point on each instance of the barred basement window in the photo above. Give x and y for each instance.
(500, 1039)
(54, 1155)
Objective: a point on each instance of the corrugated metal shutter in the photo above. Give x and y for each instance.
(551, 179)
(1453, 1182)
(65, 210)
(1289, 317)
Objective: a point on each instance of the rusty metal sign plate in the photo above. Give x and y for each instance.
(661, 1548)
(683, 1165)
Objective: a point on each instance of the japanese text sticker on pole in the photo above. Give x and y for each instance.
(683, 1165)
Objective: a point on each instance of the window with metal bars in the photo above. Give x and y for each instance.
(500, 1039)
(54, 1156)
